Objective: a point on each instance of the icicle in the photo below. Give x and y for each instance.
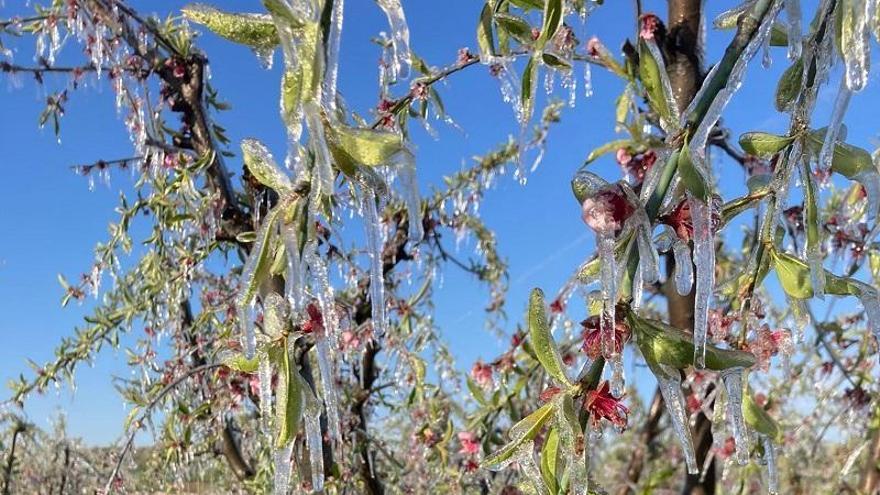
(870, 300)
(870, 181)
(649, 260)
(331, 73)
(318, 141)
(618, 377)
(855, 42)
(638, 287)
(733, 385)
(293, 279)
(409, 184)
(314, 441)
(684, 273)
(670, 388)
(249, 335)
(374, 250)
(399, 38)
(588, 80)
(772, 470)
(608, 283)
(831, 133)
(767, 59)
(704, 258)
(328, 387)
(795, 32)
(282, 469)
(264, 374)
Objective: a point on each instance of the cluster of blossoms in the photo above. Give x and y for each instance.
(636, 165)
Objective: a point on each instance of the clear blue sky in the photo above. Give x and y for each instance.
(51, 222)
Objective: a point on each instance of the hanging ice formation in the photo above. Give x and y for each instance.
(841, 103)
(701, 213)
(670, 387)
(331, 73)
(770, 459)
(795, 33)
(399, 38)
(855, 41)
(704, 259)
(281, 483)
(732, 379)
(374, 251)
(684, 272)
(314, 443)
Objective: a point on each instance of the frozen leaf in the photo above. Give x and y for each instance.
(242, 364)
(732, 379)
(515, 26)
(527, 90)
(542, 340)
(262, 165)
(789, 86)
(523, 432)
(554, 11)
(691, 177)
(254, 30)
(289, 398)
(763, 144)
(485, 38)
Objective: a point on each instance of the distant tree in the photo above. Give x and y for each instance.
(284, 354)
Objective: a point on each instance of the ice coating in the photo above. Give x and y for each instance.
(704, 260)
(293, 278)
(244, 302)
(399, 38)
(608, 284)
(327, 370)
(318, 142)
(870, 181)
(856, 46)
(312, 419)
(670, 387)
(684, 272)
(841, 103)
(772, 468)
(732, 379)
(588, 80)
(870, 300)
(264, 374)
(406, 173)
(673, 123)
(576, 468)
(374, 251)
(795, 32)
(525, 458)
(331, 73)
(281, 482)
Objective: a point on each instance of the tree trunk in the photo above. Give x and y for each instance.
(685, 74)
(870, 483)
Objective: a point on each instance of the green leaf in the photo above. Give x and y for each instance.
(279, 10)
(542, 341)
(515, 26)
(794, 275)
(649, 74)
(485, 38)
(476, 391)
(789, 85)
(289, 400)
(555, 61)
(692, 178)
(352, 146)
(553, 11)
(528, 4)
(848, 160)
(240, 363)
(525, 430)
(254, 30)
(778, 35)
(527, 95)
(263, 167)
(609, 147)
(758, 419)
(664, 344)
(291, 97)
(257, 264)
(549, 460)
(763, 144)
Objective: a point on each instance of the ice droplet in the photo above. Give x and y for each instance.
(841, 103)
(684, 272)
(399, 38)
(704, 258)
(670, 387)
(374, 251)
(732, 378)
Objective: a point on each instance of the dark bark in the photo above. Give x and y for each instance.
(10, 461)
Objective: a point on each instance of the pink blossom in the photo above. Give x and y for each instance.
(482, 374)
(470, 444)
